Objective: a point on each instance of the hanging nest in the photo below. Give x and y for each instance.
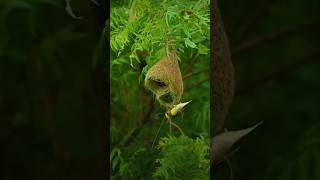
(165, 81)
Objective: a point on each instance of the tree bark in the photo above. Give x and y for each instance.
(222, 74)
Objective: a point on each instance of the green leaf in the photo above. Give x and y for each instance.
(119, 61)
(203, 49)
(189, 43)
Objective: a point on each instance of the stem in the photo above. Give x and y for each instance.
(197, 84)
(170, 127)
(175, 125)
(190, 64)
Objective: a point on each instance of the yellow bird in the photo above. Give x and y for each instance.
(171, 114)
(175, 110)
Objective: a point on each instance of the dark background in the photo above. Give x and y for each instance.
(53, 105)
(276, 53)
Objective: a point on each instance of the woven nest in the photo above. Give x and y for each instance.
(165, 81)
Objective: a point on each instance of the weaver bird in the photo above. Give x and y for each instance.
(175, 110)
(169, 115)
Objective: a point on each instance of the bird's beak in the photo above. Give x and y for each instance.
(179, 107)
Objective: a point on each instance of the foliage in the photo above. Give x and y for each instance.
(146, 28)
(184, 157)
(140, 33)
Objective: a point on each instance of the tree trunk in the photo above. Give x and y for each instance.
(222, 76)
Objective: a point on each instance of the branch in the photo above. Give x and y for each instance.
(195, 73)
(254, 42)
(196, 85)
(282, 71)
(190, 64)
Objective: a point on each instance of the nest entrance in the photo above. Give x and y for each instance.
(156, 84)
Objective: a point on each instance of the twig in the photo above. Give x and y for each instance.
(254, 42)
(195, 73)
(176, 126)
(190, 64)
(197, 84)
(282, 71)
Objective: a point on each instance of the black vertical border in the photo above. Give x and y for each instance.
(213, 30)
(103, 85)
(107, 75)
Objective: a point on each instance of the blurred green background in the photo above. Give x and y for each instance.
(276, 54)
(52, 91)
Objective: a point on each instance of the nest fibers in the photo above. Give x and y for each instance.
(165, 81)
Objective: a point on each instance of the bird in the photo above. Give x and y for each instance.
(223, 145)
